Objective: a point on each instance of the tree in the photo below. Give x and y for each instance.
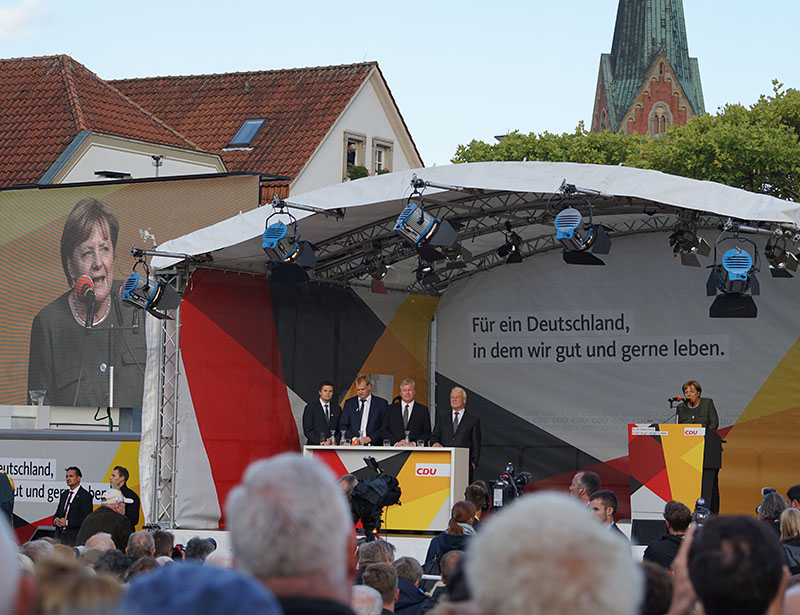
(755, 148)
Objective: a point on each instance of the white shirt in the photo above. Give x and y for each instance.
(458, 413)
(365, 414)
(323, 404)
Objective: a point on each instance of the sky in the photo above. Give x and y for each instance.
(458, 70)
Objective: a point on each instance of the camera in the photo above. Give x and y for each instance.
(701, 512)
(766, 490)
(508, 487)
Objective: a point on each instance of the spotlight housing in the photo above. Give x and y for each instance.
(284, 248)
(781, 261)
(145, 293)
(734, 277)
(421, 228)
(426, 274)
(685, 241)
(510, 250)
(578, 238)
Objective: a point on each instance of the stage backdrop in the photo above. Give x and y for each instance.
(32, 221)
(557, 359)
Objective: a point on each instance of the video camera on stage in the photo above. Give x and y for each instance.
(371, 495)
(508, 487)
(701, 512)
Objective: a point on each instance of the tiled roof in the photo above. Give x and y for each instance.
(644, 29)
(300, 105)
(45, 102)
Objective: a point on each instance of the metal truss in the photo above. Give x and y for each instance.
(166, 447)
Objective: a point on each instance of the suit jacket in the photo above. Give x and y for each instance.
(467, 436)
(315, 423)
(615, 528)
(131, 510)
(79, 509)
(419, 423)
(351, 418)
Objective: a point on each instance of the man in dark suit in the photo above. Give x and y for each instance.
(406, 415)
(74, 505)
(322, 416)
(119, 480)
(362, 415)
(603, 507)
(458, 428)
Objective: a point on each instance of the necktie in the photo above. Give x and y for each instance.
(66, 508)
(405, 416)
(363, 401)
(455, 421)
(327, 414)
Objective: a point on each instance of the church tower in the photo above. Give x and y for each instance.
(648, 81)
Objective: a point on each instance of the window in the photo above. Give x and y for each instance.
(354, 154)
(245, 135)
(660, 119)
(381, 156)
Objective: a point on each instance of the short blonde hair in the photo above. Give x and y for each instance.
(790, 523)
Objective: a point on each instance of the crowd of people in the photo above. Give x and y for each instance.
(294, 551)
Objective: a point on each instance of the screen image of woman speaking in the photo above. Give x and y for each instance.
(79, 337)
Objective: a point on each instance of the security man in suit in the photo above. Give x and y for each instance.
(458, 428)
(322, 416)
(74, 505)
(119, 480)
(406, 416)
(362, 415)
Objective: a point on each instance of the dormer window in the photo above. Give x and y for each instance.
(245, 135)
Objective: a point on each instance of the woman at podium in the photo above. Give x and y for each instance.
(702, 411)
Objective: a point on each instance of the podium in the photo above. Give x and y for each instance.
(666, 463)
(432, 480)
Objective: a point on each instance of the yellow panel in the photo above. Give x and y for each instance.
(415, 312)
(780, 392)
(683, 457)
(415, 513)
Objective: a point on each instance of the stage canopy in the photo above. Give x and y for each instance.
(484, 202)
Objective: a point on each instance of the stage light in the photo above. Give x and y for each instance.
(426, 274)
(734, 277)
(780, 260)
(457, 256)
(377, 269)
(422, 228)
(283, 247)
(143, 292)
(685, 241)
(510, 250)
(578, 237)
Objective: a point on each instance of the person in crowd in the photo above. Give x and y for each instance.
(119, 480)
(108, 518)
(68, 356)
(770, 509)
(74, 505)
(164, 542)
(456, 537)
(383, 578)
(140, 544)
(37, 550)
(544, 554)
(440, 594)
(791, 600)
(603, 506)
(459, 428)
(477, 494)
(347, 483)
(373, 552)
(366, 601)
(583, 485)
(793, 496)
(322, 417)
(291, 528)
(406, 415)
(790, 538)
(198, 548)
(221, 558)
(141, 566)
(663, 550)
(17, 593)
(101, 541)
(735, 565)
(115, 564)
(192, 588)
(657, 589)
(695, 409)
(362, 415)
(66, 586)
(411, 598)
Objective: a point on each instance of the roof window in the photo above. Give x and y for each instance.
(247, 132)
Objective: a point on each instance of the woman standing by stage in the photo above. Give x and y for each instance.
(702, 411)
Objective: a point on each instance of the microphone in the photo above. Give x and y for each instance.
(674, 399)
(85, 288)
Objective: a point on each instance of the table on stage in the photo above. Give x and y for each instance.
(432, 479)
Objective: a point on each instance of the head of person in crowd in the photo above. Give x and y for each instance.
(366, 601)
(119, 477)
(448, 563)
(584, 484)
(101, 541)
(291, 527)
(657, 589)
(114, 500)
(141, 544)
(790, 524)
(37, 550)
(409, 569)
(221, 558)
(113, 563)
(772, 505)
(677, 516)
(164, 541)
(545, 554)
(199, 590)
(383, 578)
(67, 586)
(347, 483)
(64, 551)
(603, 506)
(461, 517)
(793, 496)
(198, 548)
(375, 552)
(736, 565)
(477, 495)
(141, 566)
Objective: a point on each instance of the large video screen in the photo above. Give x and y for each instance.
(67, 336)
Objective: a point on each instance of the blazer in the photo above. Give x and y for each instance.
(79, 509)
(467, 436)
(419, 423)
(315, 423)
(351, 418)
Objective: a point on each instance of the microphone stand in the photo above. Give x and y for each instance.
(673, 412)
